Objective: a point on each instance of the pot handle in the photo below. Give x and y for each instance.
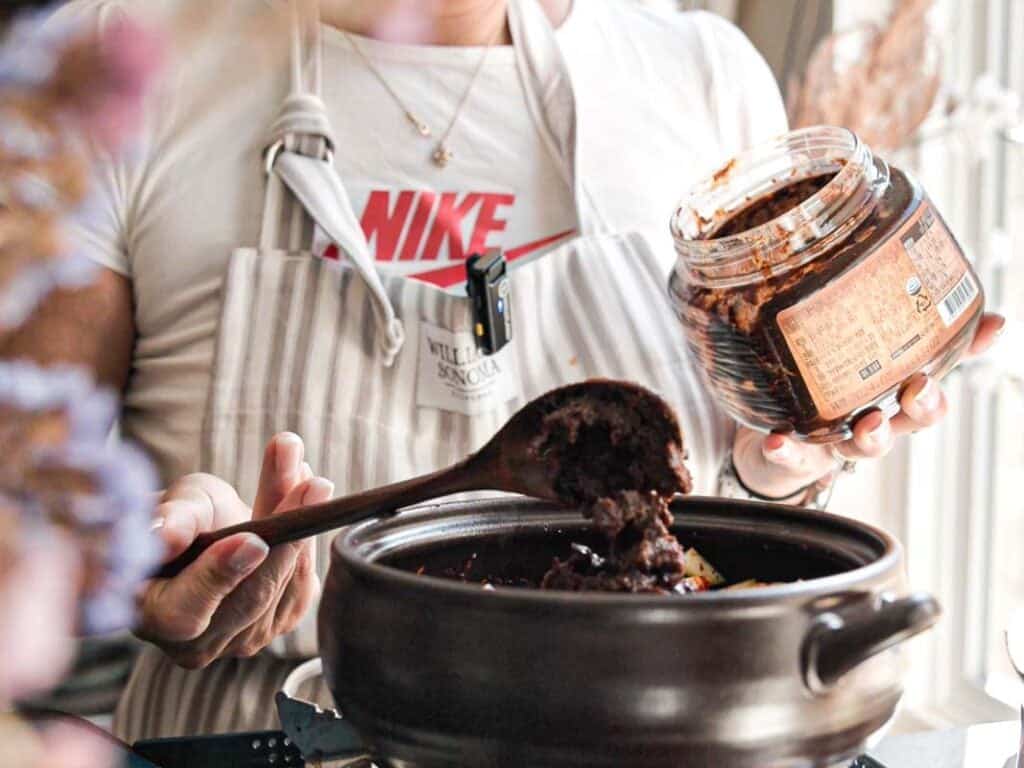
(839, 640)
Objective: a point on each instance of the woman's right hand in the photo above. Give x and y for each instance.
(238, 595)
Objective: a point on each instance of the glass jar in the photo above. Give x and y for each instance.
(813, 280)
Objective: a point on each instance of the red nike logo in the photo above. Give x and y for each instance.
(456, 273)
(411, 226)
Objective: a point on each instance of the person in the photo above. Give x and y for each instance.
(543, 127)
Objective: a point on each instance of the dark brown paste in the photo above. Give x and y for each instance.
(600, 437)
(618, 454)
(771, 206)
(733, 333)
(643, 554)
(615, 451)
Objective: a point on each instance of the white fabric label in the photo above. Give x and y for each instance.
(455, 376)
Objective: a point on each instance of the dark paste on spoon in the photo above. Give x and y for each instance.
(599, 437)
(616, 451)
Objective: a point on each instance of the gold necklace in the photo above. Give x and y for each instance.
(442, 154)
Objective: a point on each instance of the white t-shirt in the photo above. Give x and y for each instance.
(662, 99)
(501, 188)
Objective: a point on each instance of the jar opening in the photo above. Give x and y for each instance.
(776, 207)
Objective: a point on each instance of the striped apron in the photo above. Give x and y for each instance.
(377, 373)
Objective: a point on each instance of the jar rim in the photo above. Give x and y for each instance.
(794, 237)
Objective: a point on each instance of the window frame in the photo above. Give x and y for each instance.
(944, 478)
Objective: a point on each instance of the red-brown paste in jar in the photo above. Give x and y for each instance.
(735, 332)
(771, 206)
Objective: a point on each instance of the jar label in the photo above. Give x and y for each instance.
(885, 319)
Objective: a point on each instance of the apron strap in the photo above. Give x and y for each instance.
(316, 185)
(303, 111)
(299, 165)
(550, 98)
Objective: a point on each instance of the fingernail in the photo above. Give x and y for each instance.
(177, 519)
(318, 488)
(157, 525)
(880, 434)
(781, 454)
(307, 471)
(289, 451)
(1001, 328)
(249, 553)
(928, 397)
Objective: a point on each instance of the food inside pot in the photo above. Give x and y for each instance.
(750, 555)
(615, 451)
(642, 553)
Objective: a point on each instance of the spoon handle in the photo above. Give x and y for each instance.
(302, 522)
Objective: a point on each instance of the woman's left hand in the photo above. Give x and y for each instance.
(778, 466)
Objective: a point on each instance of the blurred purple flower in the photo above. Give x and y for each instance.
(75, 507)
(25, 386)
(21, 141)
(59, 85)
(32, 49)
(23, 293)
(35, 193)
(122, 510)
(112, 519)
(37, 603)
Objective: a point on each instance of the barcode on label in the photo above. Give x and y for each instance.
(957, 300)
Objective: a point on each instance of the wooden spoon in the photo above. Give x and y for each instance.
(569, 445)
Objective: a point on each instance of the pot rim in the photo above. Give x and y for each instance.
(347, 543)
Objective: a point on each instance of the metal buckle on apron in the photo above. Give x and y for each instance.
(488, 287)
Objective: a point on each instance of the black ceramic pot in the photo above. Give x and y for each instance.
(435, 672)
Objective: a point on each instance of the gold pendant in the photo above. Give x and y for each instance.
(442, 155)
(421, 128)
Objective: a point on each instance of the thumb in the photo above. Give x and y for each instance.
(180, 609)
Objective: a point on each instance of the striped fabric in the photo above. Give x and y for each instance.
(297, 353)
(296, 350)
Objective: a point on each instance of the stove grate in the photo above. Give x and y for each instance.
(311, 736)
(267, 749)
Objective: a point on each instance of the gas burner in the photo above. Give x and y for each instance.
(323, 737)
(310, 736)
